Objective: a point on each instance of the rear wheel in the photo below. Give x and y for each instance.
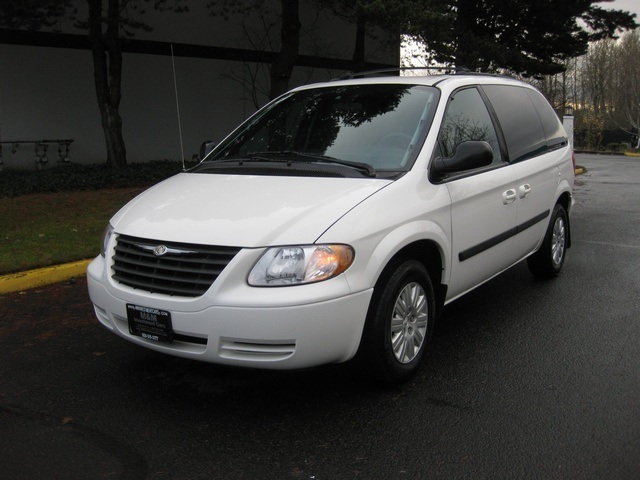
(400, 322)
(547, 262)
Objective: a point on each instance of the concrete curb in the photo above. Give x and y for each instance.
(16, 282)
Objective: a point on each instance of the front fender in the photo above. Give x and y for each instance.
(374, 253)
(407, 235)
(408, 211)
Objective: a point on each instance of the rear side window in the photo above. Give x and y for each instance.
(519, 120)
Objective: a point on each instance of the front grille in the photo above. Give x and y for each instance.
(184, 269)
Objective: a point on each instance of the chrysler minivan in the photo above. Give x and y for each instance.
(337, 221)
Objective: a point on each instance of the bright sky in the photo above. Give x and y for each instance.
(632, 6)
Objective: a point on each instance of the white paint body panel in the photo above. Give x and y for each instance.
(241, 210)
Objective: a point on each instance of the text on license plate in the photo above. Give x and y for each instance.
(150, 323)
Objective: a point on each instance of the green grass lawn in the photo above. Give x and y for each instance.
(46, 229)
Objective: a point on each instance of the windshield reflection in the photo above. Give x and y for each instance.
(379, 125)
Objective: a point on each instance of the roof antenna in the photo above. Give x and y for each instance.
(175, 86)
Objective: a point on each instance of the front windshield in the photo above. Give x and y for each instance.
(381, 125)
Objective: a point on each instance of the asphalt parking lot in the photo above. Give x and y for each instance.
(525, 379)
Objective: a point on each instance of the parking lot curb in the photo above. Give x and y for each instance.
(16, 282)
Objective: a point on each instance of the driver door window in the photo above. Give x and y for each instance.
(467, 118)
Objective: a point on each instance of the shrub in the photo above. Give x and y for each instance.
(613, 147)
(594, 126)
(85, 177)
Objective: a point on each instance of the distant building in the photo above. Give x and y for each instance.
(47, 88)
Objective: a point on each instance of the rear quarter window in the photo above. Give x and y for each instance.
(553, 130)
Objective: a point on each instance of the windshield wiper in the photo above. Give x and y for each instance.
(365, 167)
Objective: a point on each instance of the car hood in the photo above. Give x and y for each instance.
(242, 210)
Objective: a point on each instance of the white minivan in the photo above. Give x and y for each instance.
(337, 221)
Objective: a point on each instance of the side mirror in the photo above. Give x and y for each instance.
(469, 155)
(206, 148)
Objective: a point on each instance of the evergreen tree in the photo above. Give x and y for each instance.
(529, 37)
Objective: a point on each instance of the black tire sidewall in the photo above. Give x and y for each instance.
(559, 212)
(541, 263)
(377, 338)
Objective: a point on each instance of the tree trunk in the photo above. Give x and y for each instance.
(282, 66)
(466, 50)
(359, 49)
(107, 70)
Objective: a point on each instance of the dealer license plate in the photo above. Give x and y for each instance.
(150, 323)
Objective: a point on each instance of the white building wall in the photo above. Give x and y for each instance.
(49, 93)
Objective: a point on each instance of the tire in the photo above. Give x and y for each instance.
(547, 262)
(399, 323)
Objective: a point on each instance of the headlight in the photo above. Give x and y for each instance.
(300, 264)
(106, 236)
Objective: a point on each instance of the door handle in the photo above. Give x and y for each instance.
(524, 190)
(509, 196)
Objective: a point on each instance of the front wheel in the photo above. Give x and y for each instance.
(399, 322)
(549, 259)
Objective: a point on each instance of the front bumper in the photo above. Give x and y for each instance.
(274, 336)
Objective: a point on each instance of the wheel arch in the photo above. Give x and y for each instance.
(430, 254)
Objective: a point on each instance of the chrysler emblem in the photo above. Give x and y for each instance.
(160, 250)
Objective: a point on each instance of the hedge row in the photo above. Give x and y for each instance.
(84, 177)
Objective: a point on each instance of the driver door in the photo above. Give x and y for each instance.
(483, 201)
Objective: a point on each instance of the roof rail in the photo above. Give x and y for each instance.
(445, 70)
